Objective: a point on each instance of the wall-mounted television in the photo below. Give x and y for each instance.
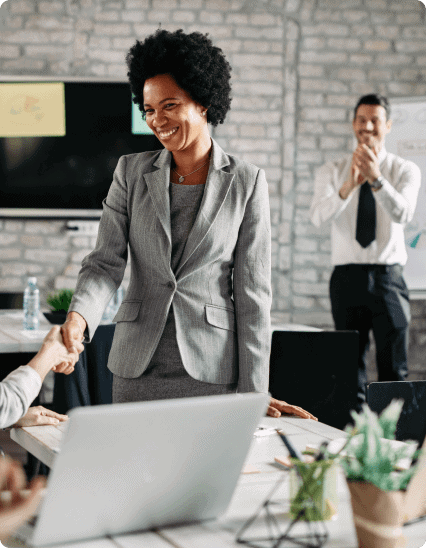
(60, 141)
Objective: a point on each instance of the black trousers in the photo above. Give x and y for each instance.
(373, 298)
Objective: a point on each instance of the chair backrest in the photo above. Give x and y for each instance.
(11, 300)
(316, 370)
(412, 421)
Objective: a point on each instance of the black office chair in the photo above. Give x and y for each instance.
(11, 300)
(316, 370)
(412, 421)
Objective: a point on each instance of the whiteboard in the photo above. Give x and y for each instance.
(407, 139)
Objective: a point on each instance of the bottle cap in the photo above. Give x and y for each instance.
(32, 280)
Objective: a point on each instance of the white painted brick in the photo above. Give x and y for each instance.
(191, 4)
(329, 29)
(159, 16)
(405, 89)
(260, 74)
(311, 259)
(303, 302)
(273, 132)
(350, 74)
(79, 255)
(257, 89)
(307, 142)
(46, 255)
(332, 142)
(244, 60)
(272, 33)
(259, 159)
(342, 100)
(327, 58)
(311, 99)
(257, 46)
(284, 263)
(349, 44)
(133, 16)
(383, 18)
(311, 84)
(377, 45)
(284, 233)
(62, 282)
(246, 103)
(339, 129)
(107, 16)
(10, 283)
(31, 240)
(183, 16)
(138, 4)
(9, 51)
(390, 32)
(310, 288)
(273, 174)
(334, 16)
(42, 227)
(311, 127)
(224, 5)
(409, 47)
(47, 52)
(83, 25)
(287, 182)
(13, 226)
(361, 59)
(310, 70)
(418, 32)
(117, 71)
(246, 145)
(122, 43)
(21, 7)
(380, 75)
(221, 31)
(315, 42)
(292, 30)
(107, 56)
(289, 127)
(211, 17)
(14, 22)
(325, 114)
(312, 156)
(277, 47)
(272, 189)
(142, 31)
(98, 69)
(263, 117)
(274, 159)
(355, 16)
(7, 239)
(236, 19)
(362, 30)
(287, 209)
(264, 19)
(49, 23)
(406, 19)
(250, 130)
(288, 154)
(10, 253)
(71, 271)
(164, 4)
(62, 37)
(283, 304)
(362, 88)
(274, 203)
(14, 269)
(121, 29)
(227, 130)
(27, 37)
(50, 7)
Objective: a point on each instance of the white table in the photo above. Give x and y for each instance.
(13, 338)
(251, 491)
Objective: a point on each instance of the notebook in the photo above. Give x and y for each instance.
(130, 467)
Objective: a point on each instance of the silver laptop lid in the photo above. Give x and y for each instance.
(129, 467)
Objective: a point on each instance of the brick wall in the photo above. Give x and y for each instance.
(298, 68)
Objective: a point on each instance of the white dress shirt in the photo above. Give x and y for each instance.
(395, 205)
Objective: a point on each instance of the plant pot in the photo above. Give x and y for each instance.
(56, 317)
(378, 515)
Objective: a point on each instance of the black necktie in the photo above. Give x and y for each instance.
(366, 219)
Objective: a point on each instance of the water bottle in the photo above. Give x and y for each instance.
(31, 304)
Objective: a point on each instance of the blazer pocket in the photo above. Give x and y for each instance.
(128, 311)
(220, 316)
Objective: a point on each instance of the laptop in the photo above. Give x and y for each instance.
(317, 370)
(135, 466)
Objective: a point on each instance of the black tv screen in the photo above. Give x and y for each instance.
(51, 167)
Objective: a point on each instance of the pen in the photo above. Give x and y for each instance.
(294, 453)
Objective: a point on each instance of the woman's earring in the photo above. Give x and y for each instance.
(204, 113)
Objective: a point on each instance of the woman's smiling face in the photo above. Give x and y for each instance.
(176, 119)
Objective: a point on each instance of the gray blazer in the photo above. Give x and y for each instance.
(221, 291)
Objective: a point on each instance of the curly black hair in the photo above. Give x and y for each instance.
(197, 66)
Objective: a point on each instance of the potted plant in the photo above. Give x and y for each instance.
(59, 303)
(376, 477)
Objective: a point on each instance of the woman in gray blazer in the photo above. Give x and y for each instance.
(195, 319)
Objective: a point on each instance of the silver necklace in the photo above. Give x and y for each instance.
(182, 177)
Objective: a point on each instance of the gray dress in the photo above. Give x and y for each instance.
(165, 376)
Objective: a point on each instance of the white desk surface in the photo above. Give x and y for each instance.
(251, 491)
(13, 338)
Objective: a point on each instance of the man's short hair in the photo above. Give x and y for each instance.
(374, 99)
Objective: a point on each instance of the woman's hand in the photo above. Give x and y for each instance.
(276, 407)
(39, 416)
(72, 332)
(19, 508)
(53, 353)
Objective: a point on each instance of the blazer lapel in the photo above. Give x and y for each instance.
(216, 189)
(158, 187)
